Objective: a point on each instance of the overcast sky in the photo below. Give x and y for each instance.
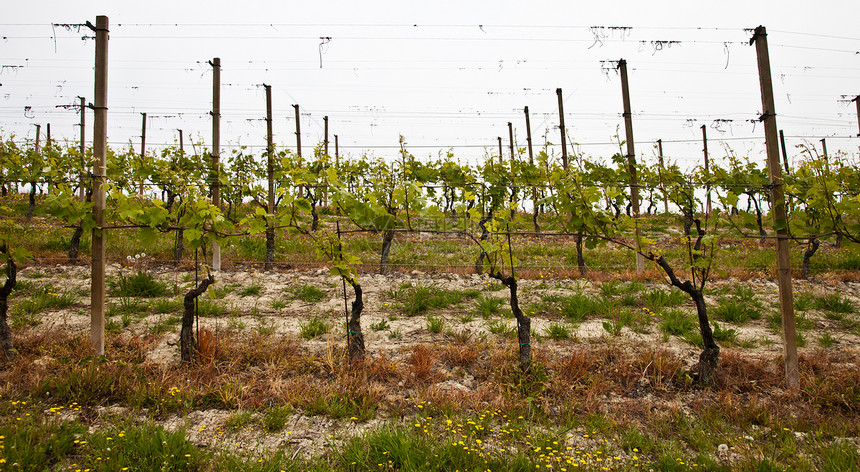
(445, 74)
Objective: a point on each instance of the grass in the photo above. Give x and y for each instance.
(488, 305)
(557, 331)
(275, 418)
(253, 290)
(418, 299)
(834, 303)
(381, 325)
(315, 326)
(677, 322)
(310, 293)
(579, 306)
(435, 324)
(736, 311)
(657, 298)
(139, 284)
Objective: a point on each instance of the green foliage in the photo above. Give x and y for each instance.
(275, 418)
(310, 293)
(557, 331)
(140, 284)
(657, 298)
(488, 305)
(834, 303)
(678, 323)
(316, 326)
(435, 323)
(252, 290)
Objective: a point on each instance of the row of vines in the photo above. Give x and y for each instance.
(322, 199)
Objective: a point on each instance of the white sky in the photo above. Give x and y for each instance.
(444, 74)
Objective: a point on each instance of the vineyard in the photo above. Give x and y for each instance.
(197, 310)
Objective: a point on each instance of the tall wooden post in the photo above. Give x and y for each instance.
(142, 147)
(325, 142)
(336, 155)
(857, 102)
(48, 136)
(216, 150)
(270, 173)
(777, 198)
(299, 142)
(707, 171)
(823, 152)
(511, 140)
(181, 143)
(298, 131)
(631, 163)
(97, 297)
(562, 129)
(82, 191)
(501, 153)
(529, 135)
(660, 174)
(784, 153)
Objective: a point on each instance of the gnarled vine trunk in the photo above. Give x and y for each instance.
(524, 323)
(187, 341)
(580, 258)
(5, 332)
(807, 255)
(32, 197)
(709, 358)
(387, 239)
(353, 326)
(479, 263)
(269, 260)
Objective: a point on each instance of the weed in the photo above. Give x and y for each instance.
(141, 284)
(488, 306)
(275, 419)
(610, 288)
(658, 298)
(834, 303)
(826, 340)
(803, 301)
(314, 327)
(500, 328)
(678, 323)
(210, 308)
(467, 318)
(278, 304)
(579, 306)
(734, 310)
(166, 305)
(239, 419)
(165, 324)
(253, 290)
(557, 331)
(435, 323)
(729, 336)
(395, 334)
(380, 326)
(310, 294)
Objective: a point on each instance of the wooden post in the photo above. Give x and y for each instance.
(336, 155)
(857, 102)
(181, 143)
(82, 191)
(529, 135)
(142, 147)
(780, 223)
(823, 153)
(216, 150)
(562, 129)
(707, 171)
(631, 163)
(501, 153)
(97, 297)
(298, 131)
(270, 173)
(299, 143)
(48, 137)
(784, 153)
(660, 171)
(511, 140)
(325, 142)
